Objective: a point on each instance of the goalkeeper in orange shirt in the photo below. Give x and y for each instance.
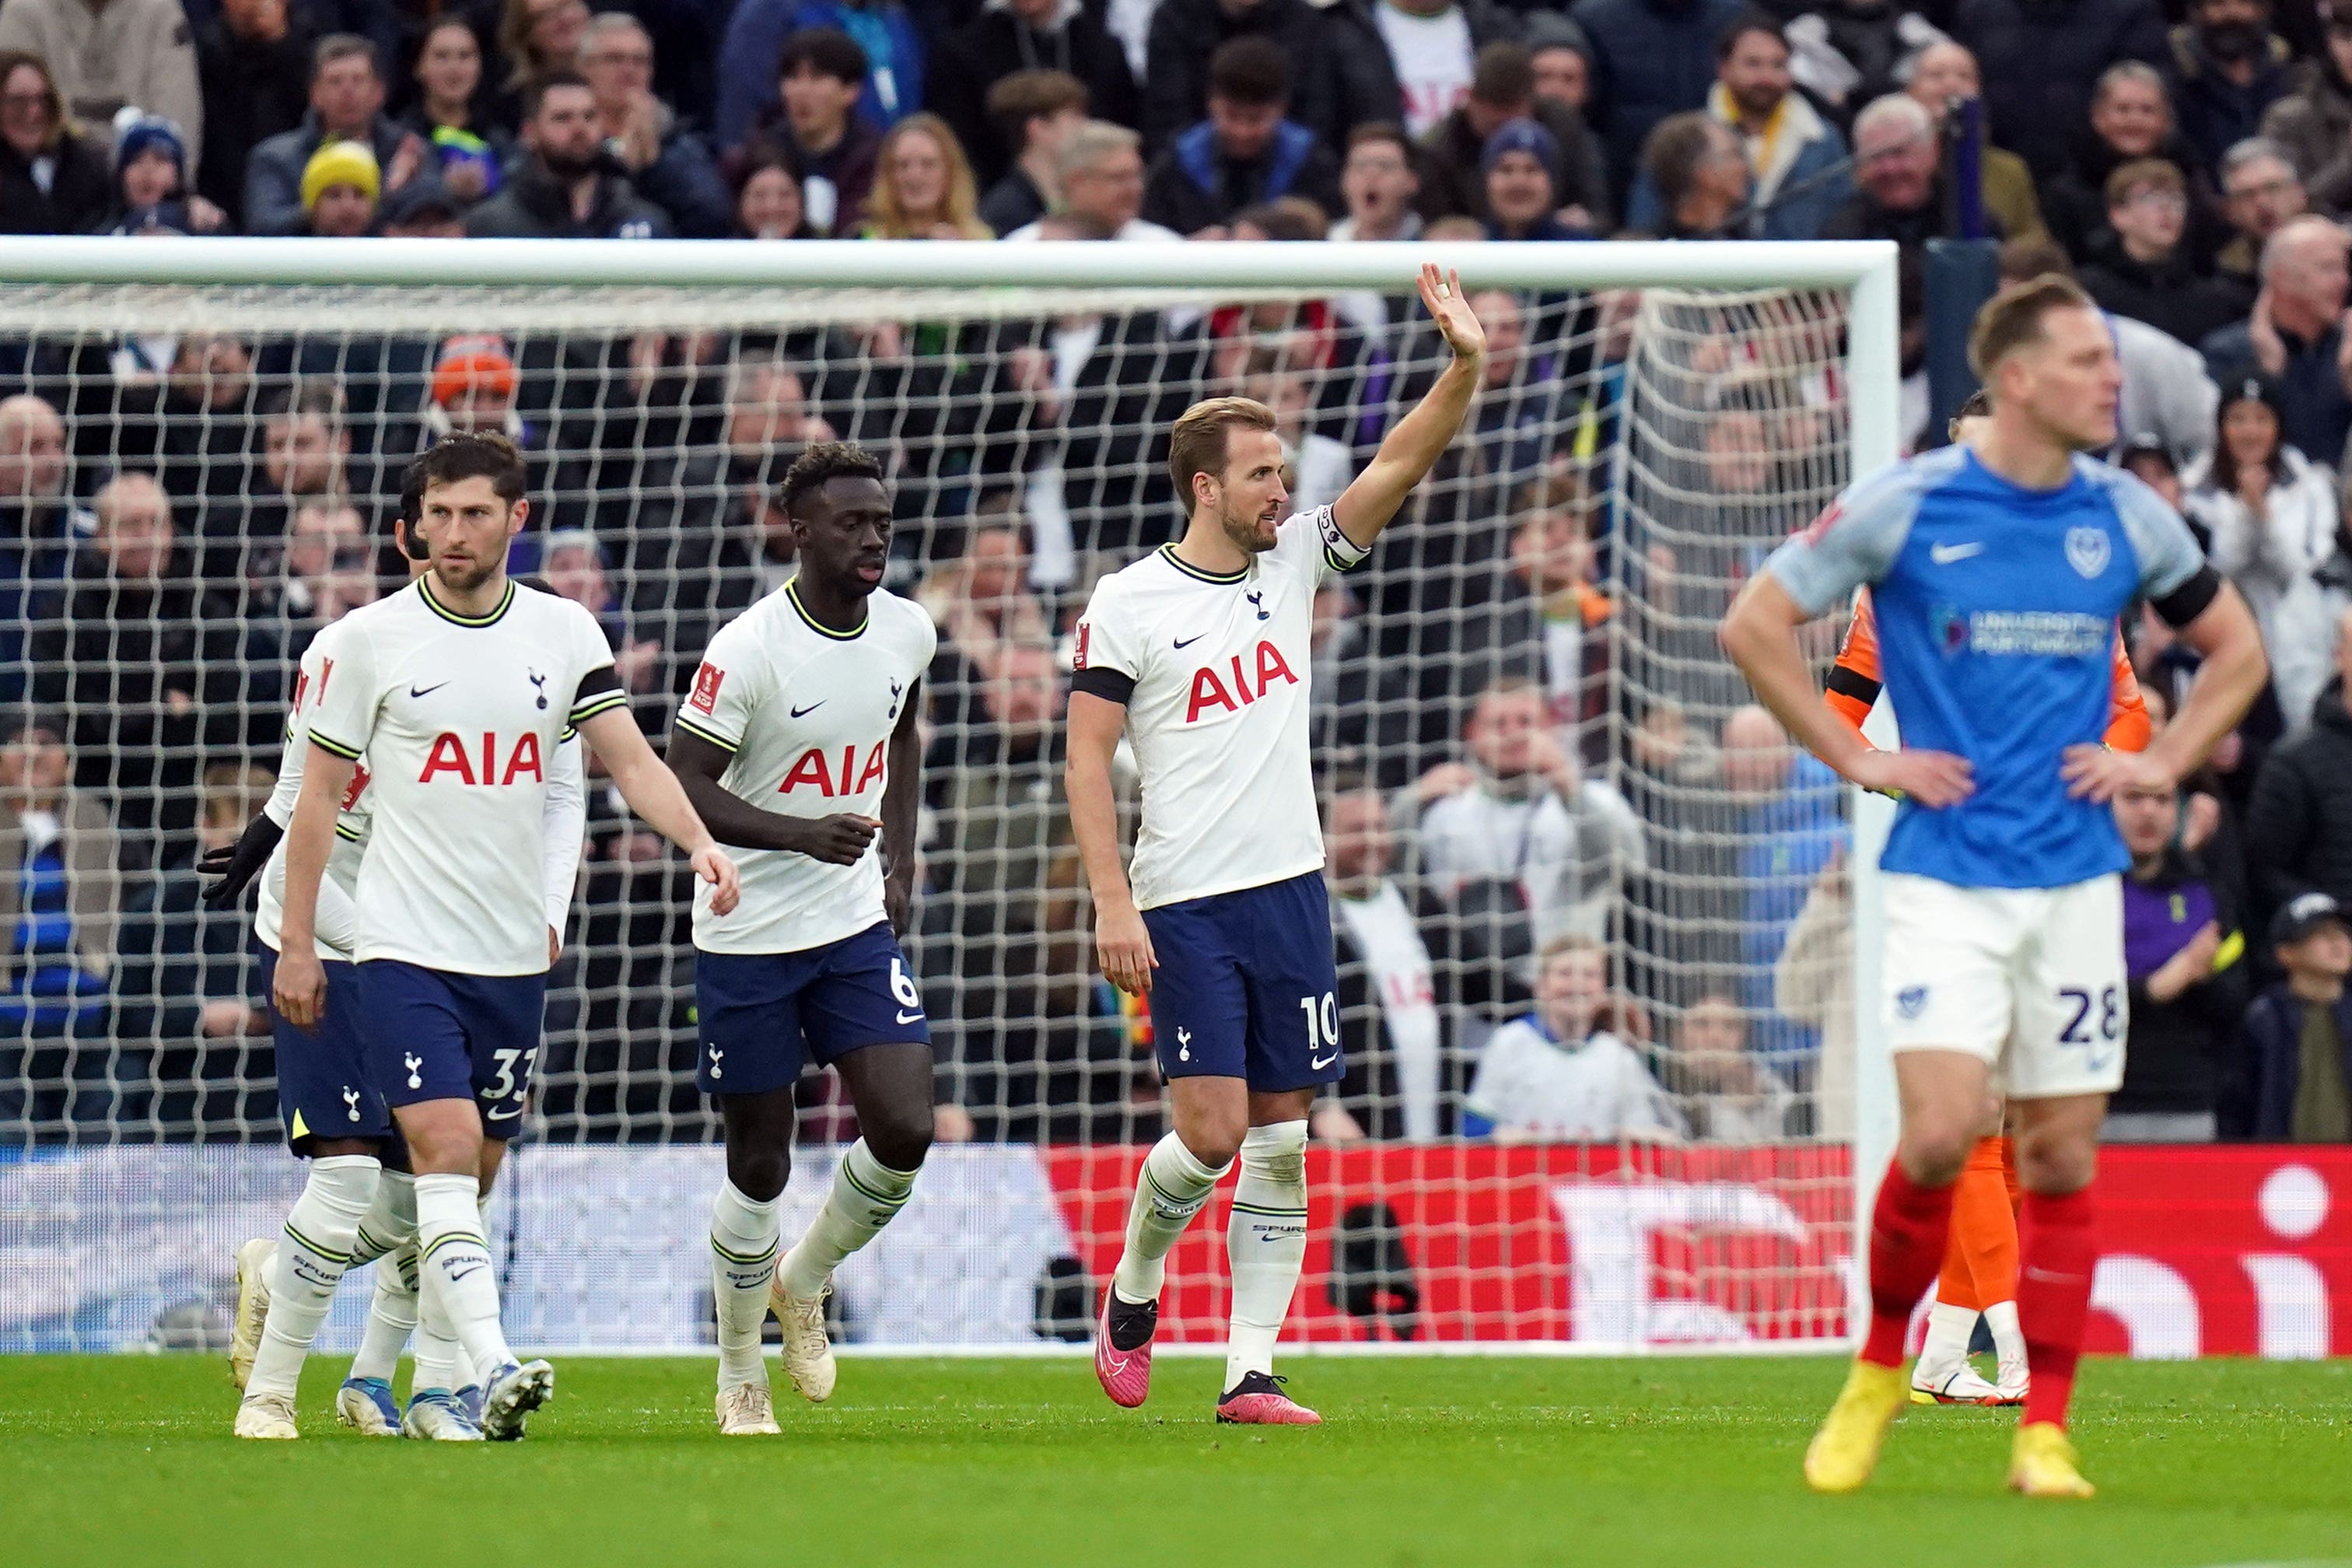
(1981, 1259)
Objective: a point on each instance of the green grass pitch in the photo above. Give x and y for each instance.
(1591, 1464)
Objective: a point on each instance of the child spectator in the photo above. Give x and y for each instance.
(340, 187)
(2294, 1067)
(150, 179)
(2140, 267)
(1562, 1072)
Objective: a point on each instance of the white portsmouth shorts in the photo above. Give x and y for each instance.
(2030, 980)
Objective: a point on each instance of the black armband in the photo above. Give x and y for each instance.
(1107, 684)
(1852, 683)
(2187, 601)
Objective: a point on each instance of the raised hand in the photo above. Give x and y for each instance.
(1441, 292)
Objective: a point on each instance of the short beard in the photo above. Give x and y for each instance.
(569, 170)
(481, 573)
(1242, 533)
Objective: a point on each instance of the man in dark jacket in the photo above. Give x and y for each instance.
(40, 532)
(2140, 267)
(1902, 193)
(1010, 36)
(2185, 957)
(668, 165)
(564, 189)
(1650, 58)
(1397, 62)
(2299, 823)
(2292, 1077)
(2041, 57)
(2227, 68)
(2299, 338)
(346, 105)
(253, 65)
(1186, 33)
(1245, 152)
(1502, 89)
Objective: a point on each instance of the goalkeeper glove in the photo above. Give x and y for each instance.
(238, 864)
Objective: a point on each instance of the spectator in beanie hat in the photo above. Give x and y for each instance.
(340, 187)
(1521, 168)
(150, 171)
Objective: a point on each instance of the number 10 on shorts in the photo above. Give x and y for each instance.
(1322, 1029)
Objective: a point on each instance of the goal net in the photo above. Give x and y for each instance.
(1596, 982)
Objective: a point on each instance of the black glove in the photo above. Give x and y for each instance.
(239, 863)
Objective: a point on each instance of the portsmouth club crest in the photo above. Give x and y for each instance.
(2088, 550)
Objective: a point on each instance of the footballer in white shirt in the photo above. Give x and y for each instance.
(1198, 654)
(358, 1201)
(457, 690)
(798, 744)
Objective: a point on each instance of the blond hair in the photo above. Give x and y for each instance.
(959, 208)
(2013, 318)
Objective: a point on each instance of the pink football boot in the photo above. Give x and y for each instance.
(1258, 1400)
(1123, 1349)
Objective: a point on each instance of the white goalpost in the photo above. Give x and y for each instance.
(201, 443)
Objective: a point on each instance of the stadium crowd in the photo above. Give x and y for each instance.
(1582, 889)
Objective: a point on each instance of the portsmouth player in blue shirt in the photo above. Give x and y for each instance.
(1998, 568)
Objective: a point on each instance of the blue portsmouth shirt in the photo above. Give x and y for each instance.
(1997, 609)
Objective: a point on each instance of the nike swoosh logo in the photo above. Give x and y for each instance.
(457, 1275)
(1117, 1365)
(1945, 554)
(503, 1116)
(1317, 1064)
(908, 1017)
(811, 708)
(1188, 642)
(424, 690)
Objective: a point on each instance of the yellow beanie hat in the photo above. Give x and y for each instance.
(341, 164)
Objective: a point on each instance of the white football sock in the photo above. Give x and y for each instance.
(1946, 1347)
(388, 1236)
(1172, 1188)
(1266, 1243)
(456, 1266)
(2008, 1341)
(742, 1261)
(440, 1360)
(311, 1257)
(867, 1196)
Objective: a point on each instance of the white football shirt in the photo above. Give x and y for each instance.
(459, 719)
(336, 927)
(335, 930)
(1217, 714)
(808, 714)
